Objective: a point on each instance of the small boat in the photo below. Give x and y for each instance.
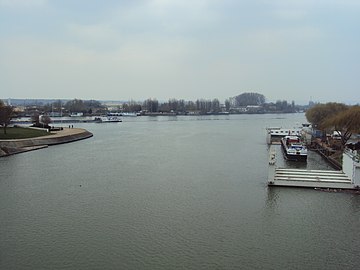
(77, 114)
(114, 114)
(130, 114)
(107, 119)
(294, 149)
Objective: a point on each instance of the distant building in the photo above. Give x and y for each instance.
(55, 114)
(253, 108)
(76, 114)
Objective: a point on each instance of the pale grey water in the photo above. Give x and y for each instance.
(170, 193)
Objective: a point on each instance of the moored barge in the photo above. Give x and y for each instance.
(293, 148)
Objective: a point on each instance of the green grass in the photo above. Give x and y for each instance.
(20, 133)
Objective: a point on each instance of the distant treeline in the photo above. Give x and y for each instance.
(243, 103)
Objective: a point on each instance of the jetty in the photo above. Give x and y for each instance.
(346, 175)
(348, 178)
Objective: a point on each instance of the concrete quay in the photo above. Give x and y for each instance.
(346, 179)
(67, 135)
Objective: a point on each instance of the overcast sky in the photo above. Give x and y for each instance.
(138, 49)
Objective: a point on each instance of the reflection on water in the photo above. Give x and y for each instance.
(272, 197)
(170, 193)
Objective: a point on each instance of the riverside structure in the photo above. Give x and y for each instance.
(171, 193)
(66, 135)
(347, 178)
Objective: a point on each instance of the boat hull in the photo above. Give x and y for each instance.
(295, 157)
(293, 153)
(109, 119)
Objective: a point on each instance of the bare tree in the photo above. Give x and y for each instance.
(35, 118)
(6, 113)
(343, 119)
(345, 123)
(318, 114)
(246, 99)
(45, 120)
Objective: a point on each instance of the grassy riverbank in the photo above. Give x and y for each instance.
(20, 133)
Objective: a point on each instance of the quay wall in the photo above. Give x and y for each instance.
(9, 147)
(326, 152)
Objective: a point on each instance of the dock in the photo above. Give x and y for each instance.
(347, 179)
(310, 178)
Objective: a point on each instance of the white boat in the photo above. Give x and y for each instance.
(294, 148)
(130, 114)
(77, 114)
(114, 114)
(281, 132)
(274, 134)
(107, 119)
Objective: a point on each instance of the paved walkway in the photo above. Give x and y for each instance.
(67, 135)
(54, 134)
(65, 132)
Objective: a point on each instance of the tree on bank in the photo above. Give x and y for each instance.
(343, 119)
(345, 123)
(320, 113)
(45, 120)
(40, 120)
(6, 113)
(151, 105)
(250, 99)
(35, 119)
(83, 106)
(284, 106)
(76, 105)
(227, 105)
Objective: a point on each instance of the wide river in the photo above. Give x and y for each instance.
(170, 193)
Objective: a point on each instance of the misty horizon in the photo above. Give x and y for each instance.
(111, 50)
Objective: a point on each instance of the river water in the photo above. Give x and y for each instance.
(170, 193)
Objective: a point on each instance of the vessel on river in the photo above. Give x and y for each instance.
(107, 119)
(278, 132)
(294, 148)
(274, 134)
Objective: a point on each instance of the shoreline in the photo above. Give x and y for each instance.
(67, 135)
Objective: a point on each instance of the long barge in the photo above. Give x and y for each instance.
(293, 148)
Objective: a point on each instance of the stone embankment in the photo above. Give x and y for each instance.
(67, 135)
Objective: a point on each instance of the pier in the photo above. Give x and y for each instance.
(348, 178)
(310, 178)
